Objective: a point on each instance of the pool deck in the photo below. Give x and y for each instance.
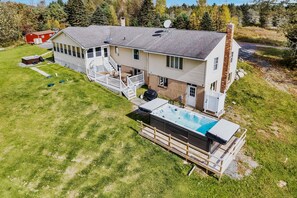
(216, 162)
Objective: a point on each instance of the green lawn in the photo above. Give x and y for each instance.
(76, 139)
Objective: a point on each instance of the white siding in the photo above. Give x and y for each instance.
(125, 57)
(233, 64)
(211, 74)
(67, 60)
(193, 70)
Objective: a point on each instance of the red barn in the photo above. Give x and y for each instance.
(39, 37)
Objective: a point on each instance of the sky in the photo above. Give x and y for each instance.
(169, 2)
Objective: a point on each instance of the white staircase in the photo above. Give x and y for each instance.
(116, 84)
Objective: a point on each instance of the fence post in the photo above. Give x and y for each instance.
(155, 134)
(169, 140)
(187, 151)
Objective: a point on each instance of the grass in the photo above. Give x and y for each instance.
(260, 35)
(272, 53)
(76, 139)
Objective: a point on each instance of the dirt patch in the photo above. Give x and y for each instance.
(241, 166)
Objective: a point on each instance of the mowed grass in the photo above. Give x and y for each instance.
(75, 139)
(260, 35)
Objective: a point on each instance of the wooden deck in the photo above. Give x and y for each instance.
(216, 162)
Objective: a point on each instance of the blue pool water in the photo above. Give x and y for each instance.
(185, 118)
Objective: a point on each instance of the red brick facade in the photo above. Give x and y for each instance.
(227, 56)
(176, 90)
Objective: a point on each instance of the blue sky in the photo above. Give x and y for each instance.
(169, 2)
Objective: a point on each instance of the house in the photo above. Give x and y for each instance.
(194, 67)
(39, 37)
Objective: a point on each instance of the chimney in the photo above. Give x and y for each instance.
(123, 21)
(227, 57)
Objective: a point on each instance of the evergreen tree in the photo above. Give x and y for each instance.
(60, 2)
(160, 7)
(76, 11)
(215, 16)
(264, 14)
(99, 17)
(113, 19)
(146, 14)
(224, 18)
(193, 23)
(9, 29)
(181, 21)
(206, 23)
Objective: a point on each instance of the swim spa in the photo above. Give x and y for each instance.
(197, 129)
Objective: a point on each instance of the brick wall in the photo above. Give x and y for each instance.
(227, 55)
(176, 89)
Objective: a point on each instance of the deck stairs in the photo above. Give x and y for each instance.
(98, 74)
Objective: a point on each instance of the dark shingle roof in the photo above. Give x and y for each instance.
(187, 43)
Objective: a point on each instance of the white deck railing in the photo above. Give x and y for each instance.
(113, 63)
(137, 80)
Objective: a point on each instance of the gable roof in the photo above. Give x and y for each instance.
(42, 32)
(185, 43)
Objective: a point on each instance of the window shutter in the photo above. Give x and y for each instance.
(167, 61)
(181, 63)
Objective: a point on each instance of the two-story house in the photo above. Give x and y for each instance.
(179, 64)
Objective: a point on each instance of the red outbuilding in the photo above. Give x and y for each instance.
(39, 37)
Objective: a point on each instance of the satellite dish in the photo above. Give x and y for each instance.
(167, 24)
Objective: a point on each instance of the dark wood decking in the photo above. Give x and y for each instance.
(216, 162)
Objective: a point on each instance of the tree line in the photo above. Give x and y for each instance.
(17, 19)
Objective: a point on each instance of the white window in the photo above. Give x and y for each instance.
(90, 53)
(163, 81)
(65, 49)
(61, 48)
(213, 86)
(136, 54)
(69, 49)
(98, 51)
(229, 77)
(51, 34)
(58, 48)
(78, 52)
(73, 51)
(116, 50)
(215, 63)
(42, 36)
(174, 62)
(54, 44)
(231, 59)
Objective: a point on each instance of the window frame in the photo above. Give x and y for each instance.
(65, 49)
(174, 62)
(78, 52)
(58, 47)
(215, 63)
(136, 56)
(82, 53)
(90, 52)
(74, 51)
(231, 59)
(229, 77)
(98, 53)
(69, 50)
(61, 48)
(116, 50)
(213, 86)
(163, 82)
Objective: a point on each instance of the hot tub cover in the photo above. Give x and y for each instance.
(222, 131)
(152, 105)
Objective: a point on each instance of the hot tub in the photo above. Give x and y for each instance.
(185, 125)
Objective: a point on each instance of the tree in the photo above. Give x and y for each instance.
(290, 30)
(55, 11)
(214, 12)
(264, 14)
(99, 17)
(76, 11)
(206, 23)
(113, 16)
(193, 23)
(160, 7)
(224, 18)
(146, 14)
(9, 28)
(181, 21)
